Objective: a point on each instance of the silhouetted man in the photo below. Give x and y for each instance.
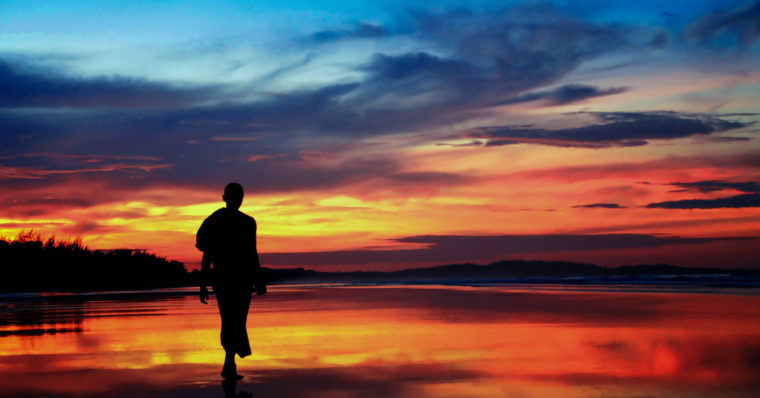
(227, 239)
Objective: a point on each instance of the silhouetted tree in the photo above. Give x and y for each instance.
(27, 263)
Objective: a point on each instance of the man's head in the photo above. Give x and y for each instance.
(233, 195)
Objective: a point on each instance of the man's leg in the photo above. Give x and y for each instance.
(233, 311)
(230, 369)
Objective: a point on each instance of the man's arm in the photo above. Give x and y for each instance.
(205, 270)
(259, 281)
(203, 243)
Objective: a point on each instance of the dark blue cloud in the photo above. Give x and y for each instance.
(750, 196)
(428, 177)
(279, 131)
(729, 139)
(717, 185)
(731, 202)
(484, 58)
(739, 26)
(23, 85)
(601, 205)
(566, 94)
(362, 30)
(413, 65)
(613, 129)
(184, 141)
(471, 60)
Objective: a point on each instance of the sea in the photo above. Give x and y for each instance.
(391, 340)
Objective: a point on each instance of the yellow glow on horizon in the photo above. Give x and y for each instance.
(201, 209)
(19, 226)
(341, 201)
(35, 221)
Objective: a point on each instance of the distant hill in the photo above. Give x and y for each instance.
(501, 270)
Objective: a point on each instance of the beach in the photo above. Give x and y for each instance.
(380, 341)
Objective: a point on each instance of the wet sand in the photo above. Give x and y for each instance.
(393, 341)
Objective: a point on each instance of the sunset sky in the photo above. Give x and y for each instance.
(386, 134)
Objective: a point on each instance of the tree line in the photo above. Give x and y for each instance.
(29, 263)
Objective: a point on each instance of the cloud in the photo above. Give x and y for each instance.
(164, 135)
(714, 185)
(10, 173)
(398, 92)
(469, 144)
(601, 205)
(415, 70)
(457, 66)
(749, 198)
(563, 95)
(734, 202)
(446, 249)
(84, 227)
(549, 243)
(729, 139)
(23, 85)
(614, 129)
(238, 138)
(257, 158)
(362, 30)
(739, 164)
(484, 58)
(45, 202)
(428, 177)
(286, 173)
(741, 24)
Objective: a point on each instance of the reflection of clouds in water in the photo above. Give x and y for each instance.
(38, 331)
(384, 380)
(399, 341)
(375, 380)
(57, 309)
(483, 304)
(41, 312)
(685, 360)
(454, 305)
(195, 381)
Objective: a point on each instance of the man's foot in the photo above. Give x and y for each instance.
(232, 377)
(229, 370)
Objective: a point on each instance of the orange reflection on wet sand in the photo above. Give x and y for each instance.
(401, 341)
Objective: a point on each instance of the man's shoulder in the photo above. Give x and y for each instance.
(216, 218)
(247, 217)
(225, 216)
(205, 236)
(218, 213)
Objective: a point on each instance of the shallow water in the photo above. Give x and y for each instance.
(393, 341)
